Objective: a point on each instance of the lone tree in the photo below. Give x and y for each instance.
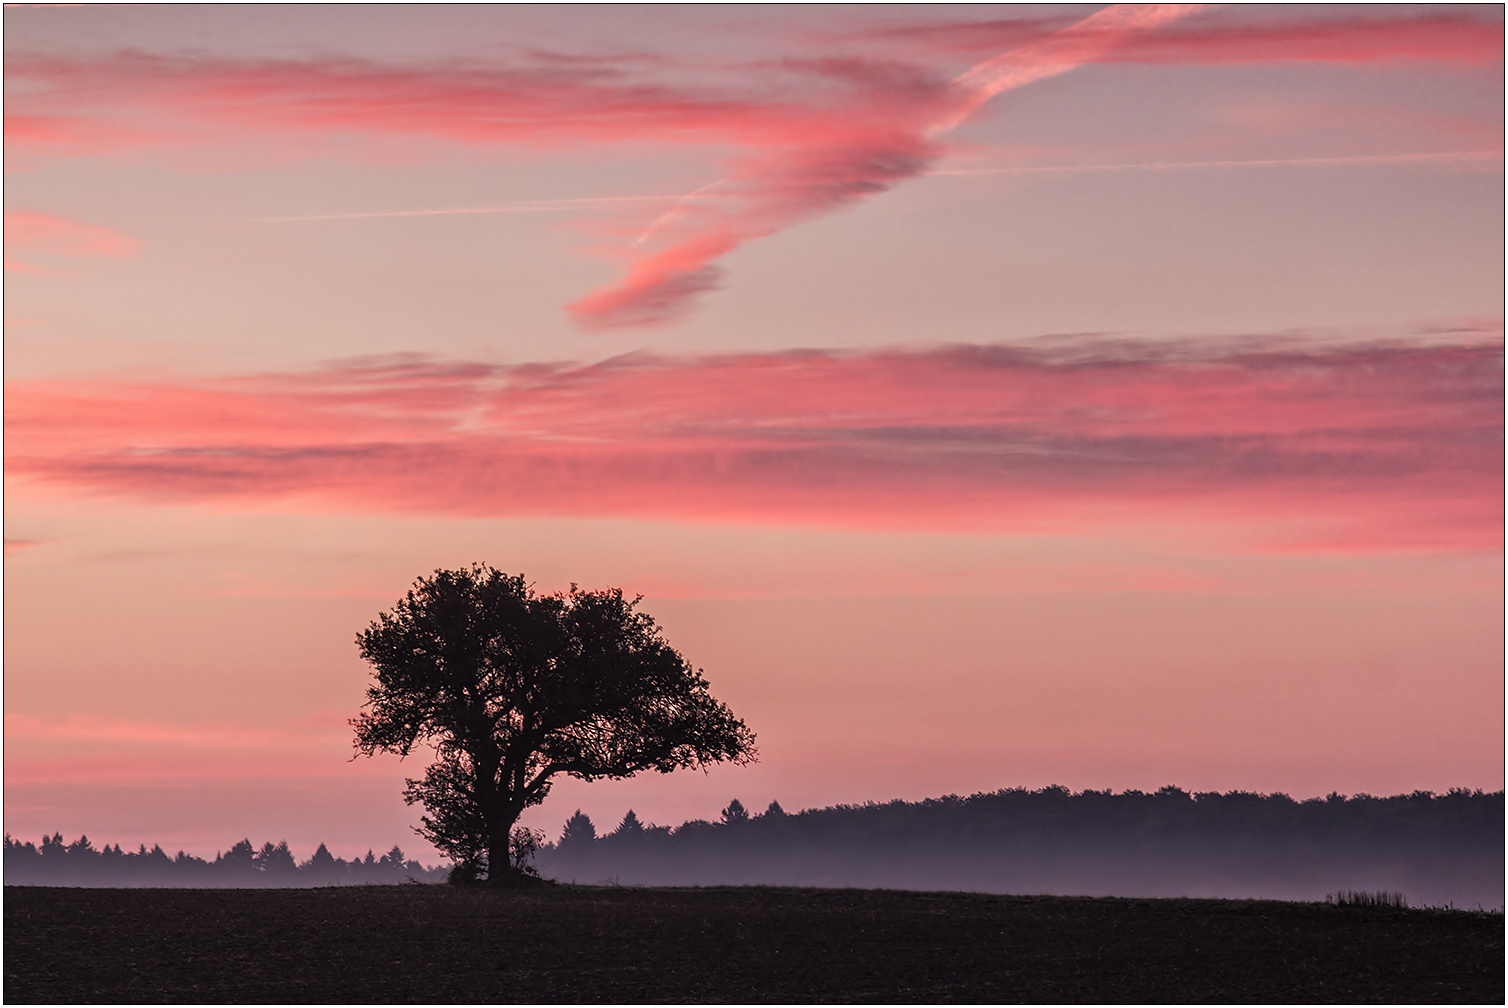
(512, 688)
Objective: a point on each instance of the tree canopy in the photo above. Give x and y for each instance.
(512, 689)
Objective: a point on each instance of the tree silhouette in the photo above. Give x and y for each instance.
(629, 827)
(511, 689)
(392, 863)
(276, 860)
(239, 860)
(579, 832)
(321, 865)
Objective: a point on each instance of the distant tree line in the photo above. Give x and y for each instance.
(54, 862)
(1438, 848)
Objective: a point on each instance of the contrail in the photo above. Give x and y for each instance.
(525, 206)
(1447, 157)
(670, 214)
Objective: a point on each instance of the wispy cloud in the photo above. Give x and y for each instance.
(1451, 37)
(1230, 36)
(884, 141)
(94, 728)
(91, 747)
(809, 135)
(1380, 445)
(141, 99)
(522, 206)
(1467, 160)
(28, 232)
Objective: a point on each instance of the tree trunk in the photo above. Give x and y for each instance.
(500, 870)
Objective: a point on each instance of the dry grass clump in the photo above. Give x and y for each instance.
(1362, 898)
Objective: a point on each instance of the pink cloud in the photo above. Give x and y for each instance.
(90, 728)
(112, 766)
(882, 142)
(93, 747)
(1219, 38)
(29, 232)
(1463, 161)
(762, 196)
(110, 101)
(1382, 446)
(815, 135)
(1445, 38)
(858, 580)
(813, 156)
(107, 101)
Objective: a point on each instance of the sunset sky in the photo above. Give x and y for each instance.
(984, 396)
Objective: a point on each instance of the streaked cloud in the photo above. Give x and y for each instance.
(115, 100)
(1469, 161)
(808, 135)
(1390, 36)
(890, 140)
(28, 232)
(90, 728)
(1381, 445)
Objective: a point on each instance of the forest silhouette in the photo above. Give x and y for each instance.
(1438, 849)
(273, 866)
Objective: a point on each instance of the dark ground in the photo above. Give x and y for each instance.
(589, 944)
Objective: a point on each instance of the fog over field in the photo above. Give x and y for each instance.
(1435, 849)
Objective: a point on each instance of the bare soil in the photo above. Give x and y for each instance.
(387, 944)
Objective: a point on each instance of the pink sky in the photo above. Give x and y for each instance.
(983, 396)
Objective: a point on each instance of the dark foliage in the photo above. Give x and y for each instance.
(522, 847)
(512, 689)
(440, 944)
(243, 866)
(579, 832)
(1436, 848)
(630, 828)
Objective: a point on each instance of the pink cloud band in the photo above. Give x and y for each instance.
(1392, 37)
(112, 101)
(1381, 446)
